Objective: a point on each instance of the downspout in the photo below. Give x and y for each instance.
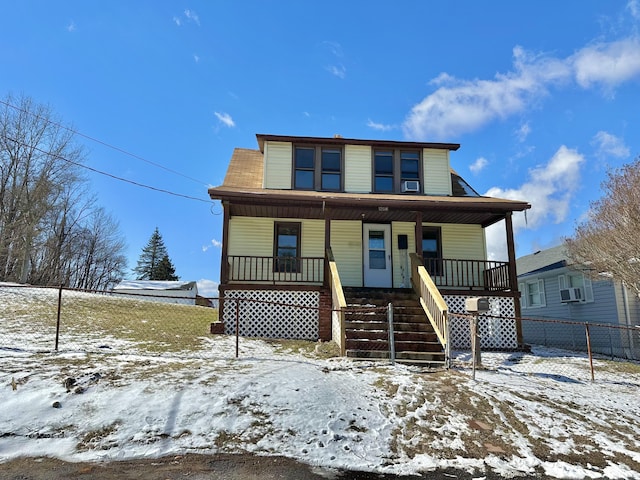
(627, 318)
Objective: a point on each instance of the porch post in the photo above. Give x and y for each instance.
(224, 266)
(513, 275)
(418, 234)
(327, 244)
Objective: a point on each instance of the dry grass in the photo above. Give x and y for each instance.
(153, 326)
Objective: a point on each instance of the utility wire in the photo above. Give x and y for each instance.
(117, 149)
(78, 164)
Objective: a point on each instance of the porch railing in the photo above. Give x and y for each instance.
(307, 270)
(432, 302)
(468, 274)
(338, 305)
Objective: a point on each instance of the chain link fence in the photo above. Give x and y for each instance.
(46, 319)
(57, 318)
(566, 350)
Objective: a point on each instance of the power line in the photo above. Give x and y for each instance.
(113, 147)
(137, 184)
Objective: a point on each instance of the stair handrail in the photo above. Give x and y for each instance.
(338, 304)
(432, 302)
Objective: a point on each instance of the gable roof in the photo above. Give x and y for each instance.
(155, 285)
(339, 140)
(542, 261)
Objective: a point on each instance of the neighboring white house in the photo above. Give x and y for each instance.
(159, 291)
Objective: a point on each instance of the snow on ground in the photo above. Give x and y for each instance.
(524, 413)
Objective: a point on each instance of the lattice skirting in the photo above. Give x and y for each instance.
(273, 313)
(495, 333)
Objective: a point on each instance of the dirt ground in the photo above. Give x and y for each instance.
(201, 467)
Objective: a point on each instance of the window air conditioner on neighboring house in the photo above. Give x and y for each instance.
(570, 295)
(410, 186)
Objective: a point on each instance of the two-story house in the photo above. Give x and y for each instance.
(306, 219)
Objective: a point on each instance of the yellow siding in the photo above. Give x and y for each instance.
(437, 176)
(357, 170)
(254, 236)
(312, 238)
(463, 242)
(400, 258)
(251, 236)
(346, 244)
(278, 159)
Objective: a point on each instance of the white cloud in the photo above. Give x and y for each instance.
(338, 70)
(334, 47)
(225, 119)
(214, 243)
(523, 132)
(207, 288)
(196, 58)
(379, 126)
(459, 106)
(71, 27)
(177, 21)
(477, 166)
(608, 145)
(607, 64)
(193, 16)
(634, 8)
(549, 189)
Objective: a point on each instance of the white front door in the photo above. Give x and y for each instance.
(377, 255)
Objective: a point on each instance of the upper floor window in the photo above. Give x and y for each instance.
(313, 174)
(391, 168)
(304, 168)
(409, 166)
(331, 169)
(383, 171)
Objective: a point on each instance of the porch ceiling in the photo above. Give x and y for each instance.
(472, 210)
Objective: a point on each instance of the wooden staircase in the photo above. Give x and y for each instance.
(367, 327)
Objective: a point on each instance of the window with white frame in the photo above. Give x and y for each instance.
(577, 280)
(533, 294)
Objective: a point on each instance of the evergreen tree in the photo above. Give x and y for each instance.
(165, 270)
(154, 262)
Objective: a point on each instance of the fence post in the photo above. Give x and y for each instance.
(58, 318)
(611, 344)
(237, 326)
(589, 350)
(392, 341)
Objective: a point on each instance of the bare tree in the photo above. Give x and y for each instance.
(607, 242)
(45, 208)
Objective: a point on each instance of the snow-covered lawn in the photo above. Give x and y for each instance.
(525, 413)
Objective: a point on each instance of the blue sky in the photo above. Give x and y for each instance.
(543, 97)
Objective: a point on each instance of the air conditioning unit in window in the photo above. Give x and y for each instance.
(410, 186)
(568, 295)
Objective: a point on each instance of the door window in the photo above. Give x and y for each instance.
(377, 250)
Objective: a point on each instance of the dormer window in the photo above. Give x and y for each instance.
(311, 174)
(383, 168)
(409, 166)
(304, 164)
(392, 168)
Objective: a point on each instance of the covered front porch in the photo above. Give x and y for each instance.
(296, 243)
